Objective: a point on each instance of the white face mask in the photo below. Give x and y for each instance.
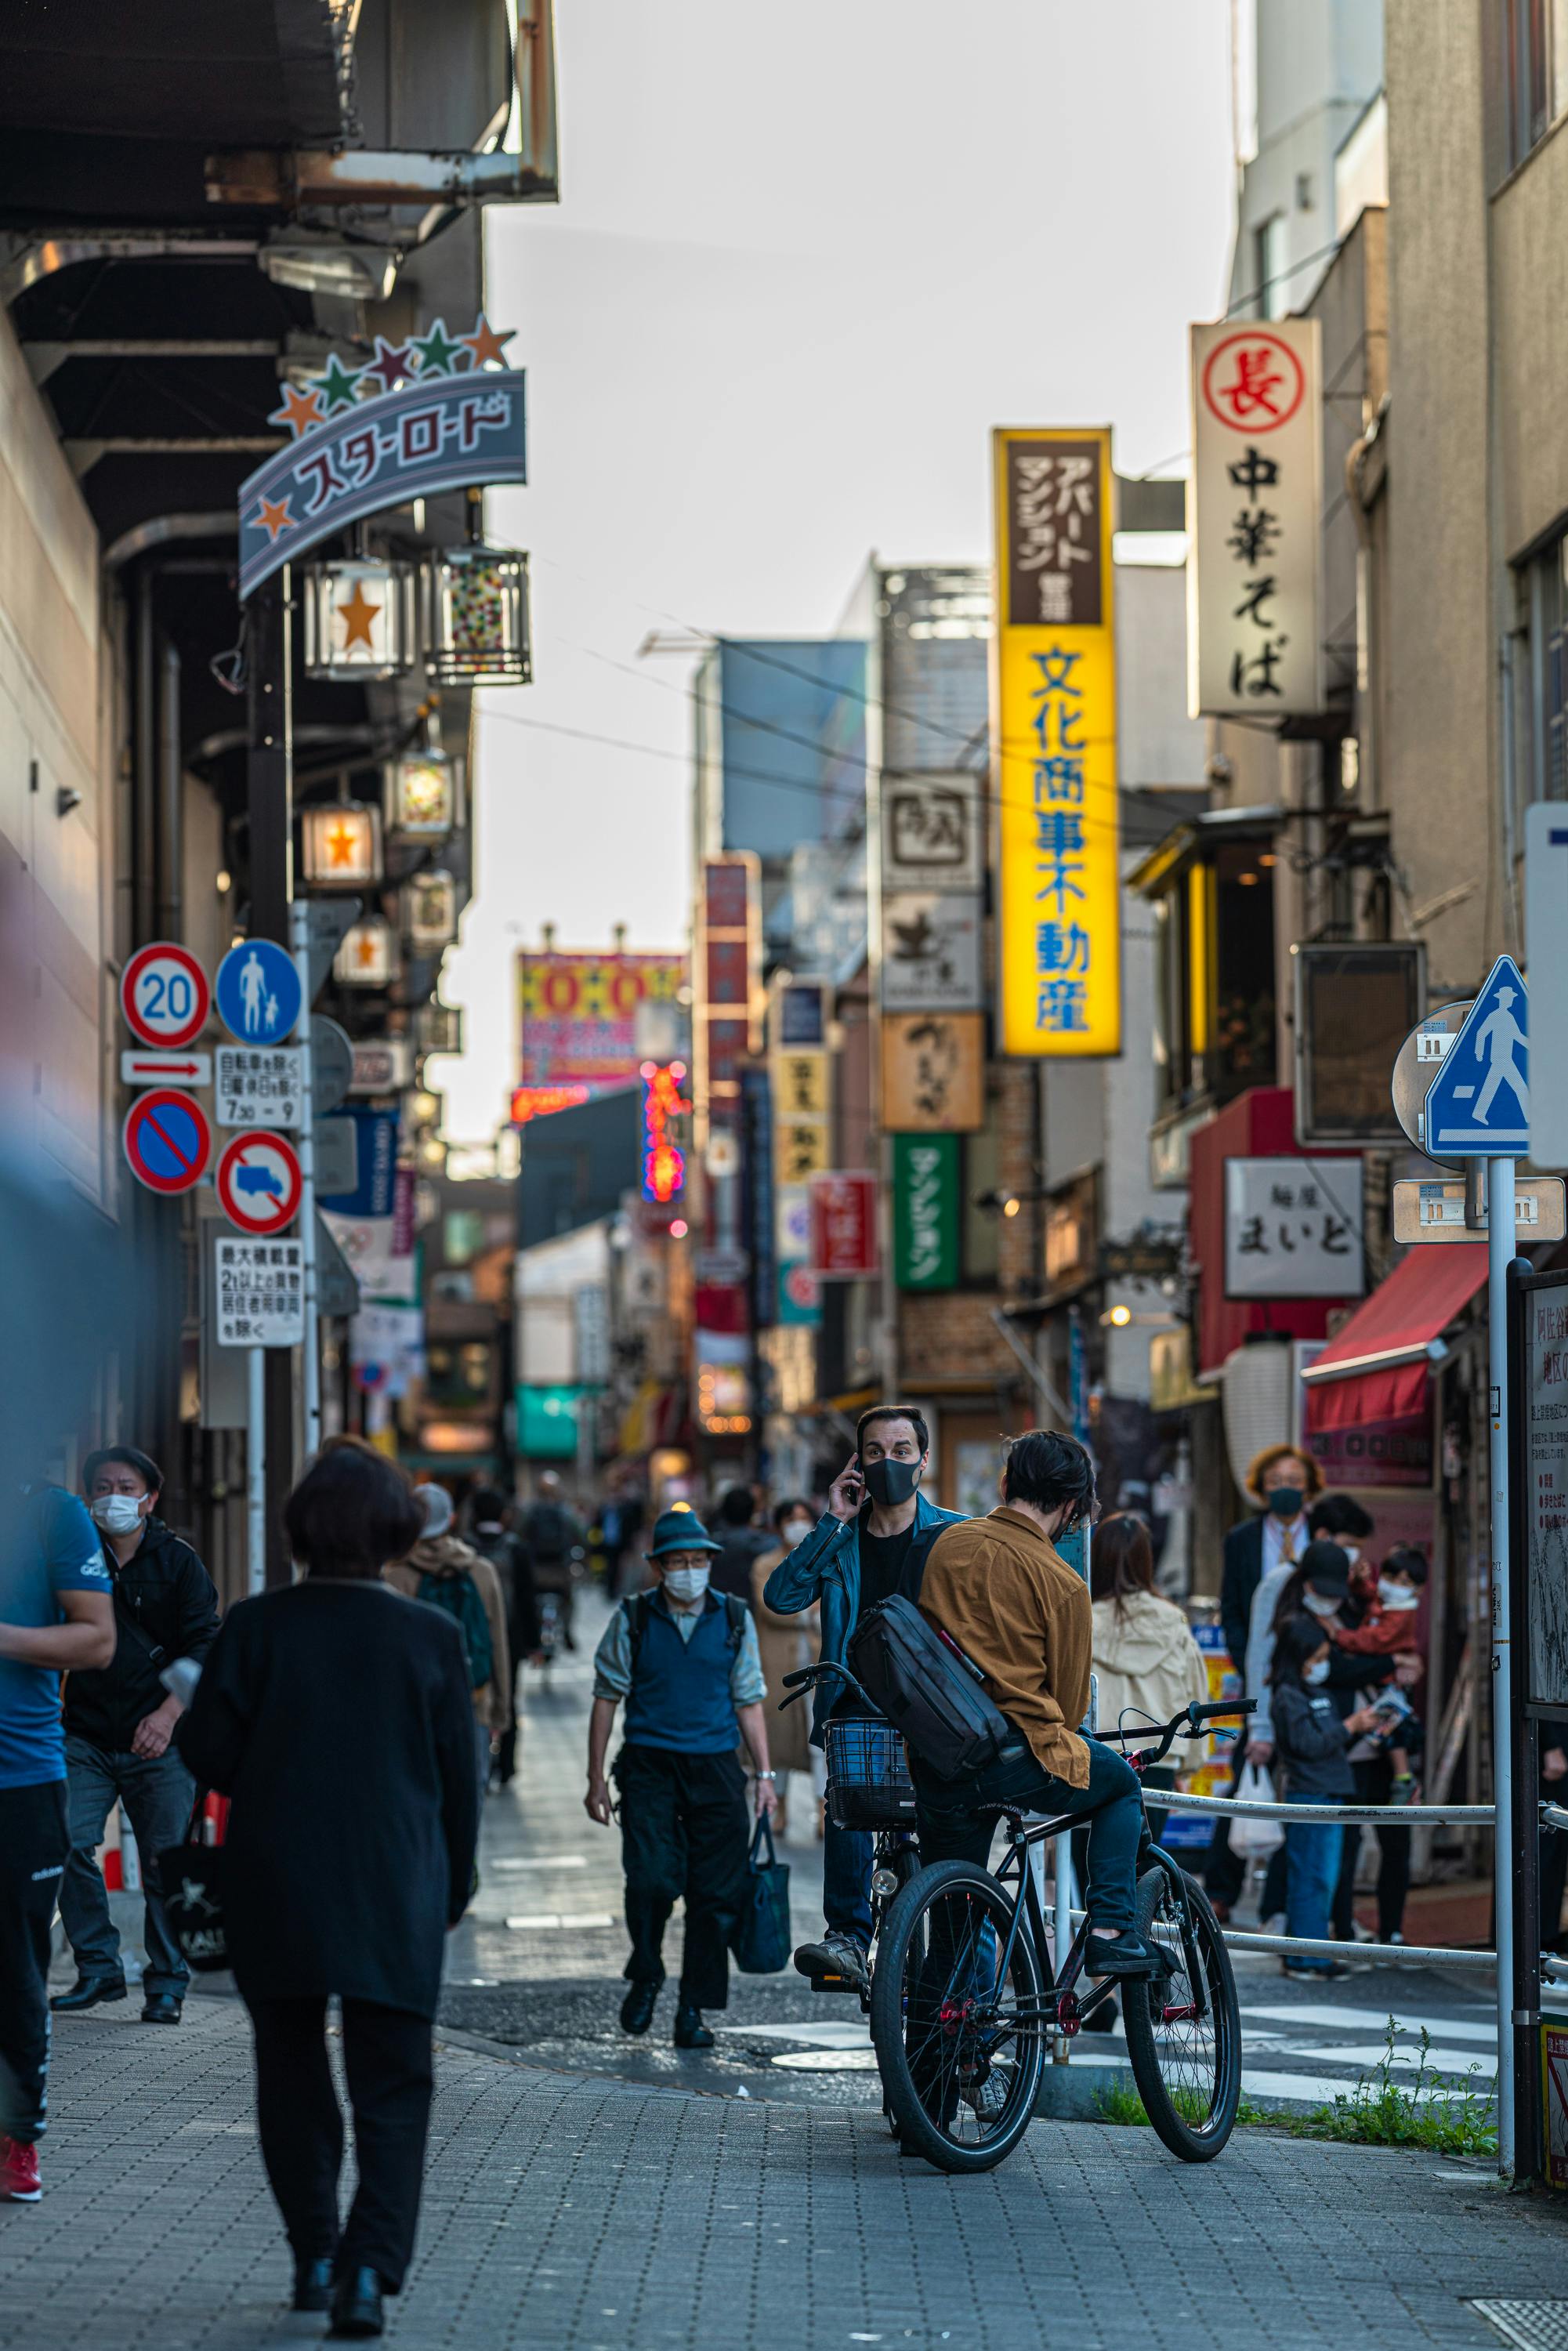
(686, 1583)
(795, 1531)
(116, 1514)
(1314, 1675)
(1397, 1596)
(1318, 1605)
(1352, 1552)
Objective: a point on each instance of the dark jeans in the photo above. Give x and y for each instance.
(846, 1882)
(387, 2059)
(34, 1842)
(1373, 1786)
(1160, 1775)
(1312, 1873)
(158, 1792)
(955, 1827)
(685, 1831)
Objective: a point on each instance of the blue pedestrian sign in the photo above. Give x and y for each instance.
(257, 993)
(1478, 1105)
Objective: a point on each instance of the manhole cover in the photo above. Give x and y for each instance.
(1533, 2326)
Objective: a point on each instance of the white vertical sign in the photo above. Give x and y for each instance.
(1255, 520)
(1546, 948)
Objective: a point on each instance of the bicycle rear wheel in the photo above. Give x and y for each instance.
(959, 2049)
(1184, 2030)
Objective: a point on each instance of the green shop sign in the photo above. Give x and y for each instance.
(925, 1211)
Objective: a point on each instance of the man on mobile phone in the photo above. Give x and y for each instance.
(869, 1542)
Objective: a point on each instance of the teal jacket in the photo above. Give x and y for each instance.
(826, 1566)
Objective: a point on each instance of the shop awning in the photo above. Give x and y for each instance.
(1404, 1320)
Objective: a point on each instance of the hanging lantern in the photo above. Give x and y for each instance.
(430, 910)
(439, 1026)
(422, 795)
(476, 620)
(358, 620)
(340, 844)
(368, 957)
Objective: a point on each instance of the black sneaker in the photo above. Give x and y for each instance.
(836, 1955)
(1129, 1955)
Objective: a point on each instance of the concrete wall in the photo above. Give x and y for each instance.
(1528, 219)
(1318, 63)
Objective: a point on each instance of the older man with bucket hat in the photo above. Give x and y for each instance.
(686, 1662)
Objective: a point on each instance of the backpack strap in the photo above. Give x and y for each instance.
(636, 1611)
(736, 1610)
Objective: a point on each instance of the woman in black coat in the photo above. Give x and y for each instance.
(337, 1715)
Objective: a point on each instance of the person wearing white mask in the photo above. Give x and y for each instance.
(1314, 1748)
(686, 1662)
(118, 1724)
(787, 1642)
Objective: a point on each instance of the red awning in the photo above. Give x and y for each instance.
(1406, 1315)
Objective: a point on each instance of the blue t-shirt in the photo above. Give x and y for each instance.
(52, 1547)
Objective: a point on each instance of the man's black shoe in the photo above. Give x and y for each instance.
(1127, 1956)
(836, 1955)
(88, 1991)
(357, 2304)
(313, 2284)
(161, 2008)
(691, 2033)
(637, 2008)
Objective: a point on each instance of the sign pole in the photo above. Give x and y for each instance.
(1500, 1256)
(255, 1468)
(299, 939)
(1524, 1737)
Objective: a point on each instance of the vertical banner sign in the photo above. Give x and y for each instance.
(1054, 745)
(925, 1211)
(1254, 515)
(726, 981)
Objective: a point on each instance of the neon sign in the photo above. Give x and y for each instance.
(664, 1104)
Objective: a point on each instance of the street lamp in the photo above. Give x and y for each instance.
(430, 910)
(341, 845)
(358, 620)
(368, 957)
(421, 791)
(477, 617)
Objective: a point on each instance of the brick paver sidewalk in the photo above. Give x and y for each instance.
(565, 2211)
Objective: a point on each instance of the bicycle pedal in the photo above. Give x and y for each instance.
(833, 1983)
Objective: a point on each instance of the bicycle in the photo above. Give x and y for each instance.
(963, 1997)
(869, 1787)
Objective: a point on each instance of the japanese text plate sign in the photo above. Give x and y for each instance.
(1293, 1229)
(259, 1085)
(440, 433)
(925, 1211)
(1255, 519)
(1054, 745)
(932, 1073)
(260, 1294)
(843, 1226)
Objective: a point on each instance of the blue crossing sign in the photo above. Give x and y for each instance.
(258, 994)
(1478, 1105)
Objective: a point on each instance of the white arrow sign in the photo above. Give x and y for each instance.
(142, 1065)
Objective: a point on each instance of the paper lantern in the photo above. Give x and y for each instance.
(422, 795)
(358, 620)
(477, 617)
(368, 957)
(341, 845)
(439, 1026)
(430, 910)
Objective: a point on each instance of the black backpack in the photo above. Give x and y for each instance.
(927, 1689)
(637, 1609)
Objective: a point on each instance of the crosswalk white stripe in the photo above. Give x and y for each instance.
(1343, 2019)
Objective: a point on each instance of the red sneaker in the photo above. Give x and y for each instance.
(19, 2180)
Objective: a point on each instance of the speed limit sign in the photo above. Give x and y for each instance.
(164, 995)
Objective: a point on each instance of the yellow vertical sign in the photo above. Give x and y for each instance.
(1053, 730)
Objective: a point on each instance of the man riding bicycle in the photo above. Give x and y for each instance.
(996, 1586)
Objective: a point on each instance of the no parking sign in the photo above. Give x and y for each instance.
(167, 1139)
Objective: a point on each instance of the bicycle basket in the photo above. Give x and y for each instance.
(869, 1786)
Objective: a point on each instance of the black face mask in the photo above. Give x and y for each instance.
(891, 1482)
(1285, 1501)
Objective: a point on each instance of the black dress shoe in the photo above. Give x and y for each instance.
(163, 2008)
(637, 2008)
(691, 2033)
(313, 2284)
(87, 1991)
(356, 2304)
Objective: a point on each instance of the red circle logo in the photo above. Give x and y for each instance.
(1254, 381)
(166, 1139)
(164, 995)
(259, 1181)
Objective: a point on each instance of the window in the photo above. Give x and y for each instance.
(1540, 680)
(1525, 70)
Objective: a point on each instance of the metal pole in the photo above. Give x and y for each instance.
(310, 1353)
(1500, 1255)
(1521, 1883)
(255, 1468)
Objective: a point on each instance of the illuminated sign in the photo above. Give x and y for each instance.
(543, 1102)
(577, 1017)
(663, 1107)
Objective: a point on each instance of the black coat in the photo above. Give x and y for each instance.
(338, 1717)
(164, 1607)
(1241, 1575)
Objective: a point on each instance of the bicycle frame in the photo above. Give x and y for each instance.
(1065, 2012)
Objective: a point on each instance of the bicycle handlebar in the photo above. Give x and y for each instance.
(798, 1684)
(1191, 1718)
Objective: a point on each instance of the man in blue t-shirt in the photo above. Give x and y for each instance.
(56, 1612)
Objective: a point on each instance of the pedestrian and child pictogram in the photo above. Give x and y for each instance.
(1478, 1105)
(258, 993)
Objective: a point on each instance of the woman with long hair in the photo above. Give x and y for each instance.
(1145, 1659)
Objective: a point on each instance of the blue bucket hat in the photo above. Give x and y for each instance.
(680, 1529)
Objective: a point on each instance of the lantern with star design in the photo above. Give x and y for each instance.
(358, 620)
(422, 795)
(477, 617)
(368, 957)
(341, 845)
(430, 911)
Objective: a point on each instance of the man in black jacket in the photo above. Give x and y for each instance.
(118, 1725)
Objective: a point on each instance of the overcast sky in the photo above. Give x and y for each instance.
(804, 260)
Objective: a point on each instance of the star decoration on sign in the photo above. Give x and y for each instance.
(438, 354)
(484, 344)
(357, 615)
(300, 412)
(275, 517)
(390, 363)
(343, 844)
(337, 386)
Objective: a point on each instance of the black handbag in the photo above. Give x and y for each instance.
(928, 1688)
(761, 1940)
(191, 1879)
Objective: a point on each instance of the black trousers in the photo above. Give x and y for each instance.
(387, 2058)
(1224, 1872)
(35, 1840)
(1373, 1786)
(684, 1832)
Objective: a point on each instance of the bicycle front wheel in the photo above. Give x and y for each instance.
(1184, 2029)
(959, 2039)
